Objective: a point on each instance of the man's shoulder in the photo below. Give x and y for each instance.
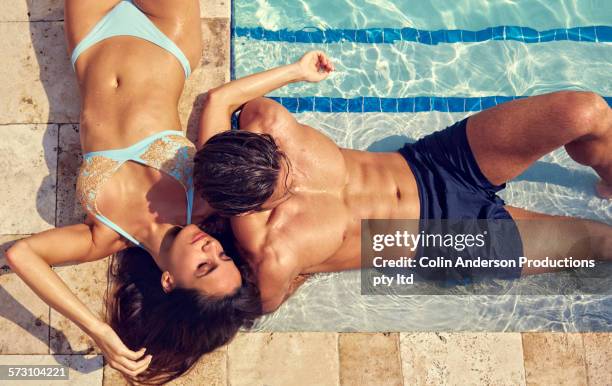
(265, 116)
(250, 231)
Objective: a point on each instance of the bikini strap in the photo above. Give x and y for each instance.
(189, 204)
(119, 230)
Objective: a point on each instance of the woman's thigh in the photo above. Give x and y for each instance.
(170, 8)
(81, 15)
(177, 19)
(180, 21)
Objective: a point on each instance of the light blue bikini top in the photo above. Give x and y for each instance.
(168, 151)
(126, 19)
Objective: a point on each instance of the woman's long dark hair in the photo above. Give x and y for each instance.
(176, 328)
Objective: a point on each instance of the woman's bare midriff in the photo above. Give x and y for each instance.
(130, 89)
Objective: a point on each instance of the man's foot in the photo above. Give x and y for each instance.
(604, 190)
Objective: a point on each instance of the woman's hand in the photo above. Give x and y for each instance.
(314, 66)
(117, 354)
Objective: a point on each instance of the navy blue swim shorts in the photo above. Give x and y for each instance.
(451, 186)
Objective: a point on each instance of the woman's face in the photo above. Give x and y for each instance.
(196, 260)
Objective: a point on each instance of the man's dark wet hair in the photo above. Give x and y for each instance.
(237, 171)
(178, 327)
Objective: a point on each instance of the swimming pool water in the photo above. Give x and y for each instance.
(408, 68)
(429, 14)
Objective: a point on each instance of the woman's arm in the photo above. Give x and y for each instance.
(221, 102)
(31, 259)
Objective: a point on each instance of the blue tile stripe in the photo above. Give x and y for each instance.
(394, 105)
(391, 35)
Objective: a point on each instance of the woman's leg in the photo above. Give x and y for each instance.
(177, 19)
(170, 8)
(508, 138)
(180, 21)
(81, 15)
(559, 237)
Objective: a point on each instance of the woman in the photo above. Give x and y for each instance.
(131, 59)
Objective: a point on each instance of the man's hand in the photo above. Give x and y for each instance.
(314, 66)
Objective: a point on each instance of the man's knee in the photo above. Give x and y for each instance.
(579, 113)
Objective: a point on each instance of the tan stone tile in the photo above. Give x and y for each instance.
(24, 318)
(13, 10)
(83, 370)
(462, 358)
(47, 10)
(554, 359)
(69, 210)
(216, 48)
(113, 377)
(190, 106)
(215, 8)
(598, 353)
(34, 10)
(89, 282)
(211, 370)
(28, 158)
(284, 359)
(213, 71)
(370, 359)
(43, 86)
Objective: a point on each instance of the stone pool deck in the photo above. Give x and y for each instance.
(39, 156)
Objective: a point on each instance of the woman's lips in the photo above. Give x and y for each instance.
(197, 237)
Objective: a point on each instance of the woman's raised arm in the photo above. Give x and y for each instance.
(31, 258)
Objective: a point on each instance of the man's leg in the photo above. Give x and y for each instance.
(559, 237)
(508, 138)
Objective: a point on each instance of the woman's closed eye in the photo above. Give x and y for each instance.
(204, 269)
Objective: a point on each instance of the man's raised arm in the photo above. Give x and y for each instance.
(222, 101)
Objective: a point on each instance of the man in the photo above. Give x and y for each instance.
(297, 199)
